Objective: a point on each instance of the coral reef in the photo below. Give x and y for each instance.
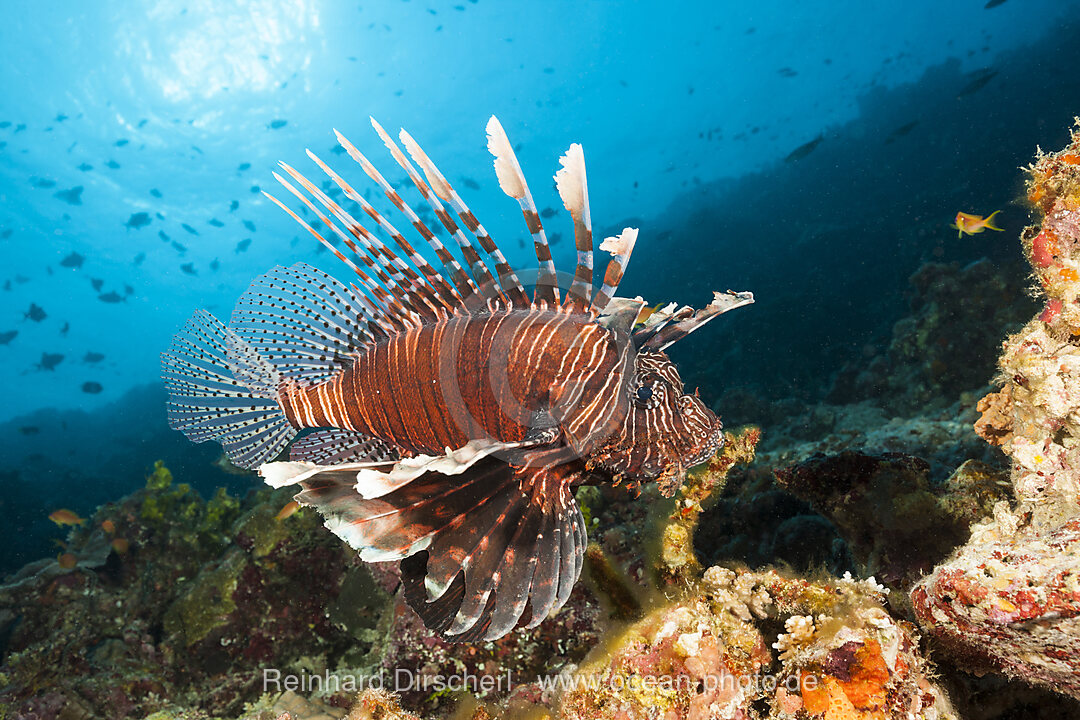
(1010, 598)
(709, 655)
(185, 613)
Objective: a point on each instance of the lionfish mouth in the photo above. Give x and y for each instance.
(713, 443)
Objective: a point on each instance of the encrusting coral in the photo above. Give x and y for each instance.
(841, 656)
(1010, 598)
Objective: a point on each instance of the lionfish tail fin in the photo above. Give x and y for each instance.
(470, 550)
(221, 389)
(574, 190)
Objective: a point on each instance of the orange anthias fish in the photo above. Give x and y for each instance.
(66, 517)
(971, 224)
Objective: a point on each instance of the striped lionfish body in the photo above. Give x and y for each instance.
(441, 417)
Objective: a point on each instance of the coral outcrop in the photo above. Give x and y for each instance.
(717, 654)
(1010, 598)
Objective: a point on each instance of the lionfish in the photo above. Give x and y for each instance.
(449, 415)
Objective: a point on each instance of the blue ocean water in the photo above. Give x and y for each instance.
(813, 153)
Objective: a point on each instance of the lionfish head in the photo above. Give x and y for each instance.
(666, 431)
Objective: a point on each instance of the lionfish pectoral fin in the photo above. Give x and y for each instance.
(484, 545)
(508, 561)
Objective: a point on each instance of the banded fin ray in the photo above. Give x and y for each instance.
(392, 313)
(512, 182)
(334, 446)
(461, 279)
(221, 389)
(303, 321)
(574, 190)
(486, 284)
(620, 248)
(469, 549)
(389, 289)
(442, 187)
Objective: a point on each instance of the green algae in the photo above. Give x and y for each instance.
(207, 603)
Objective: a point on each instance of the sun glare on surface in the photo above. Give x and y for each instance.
(197, 49)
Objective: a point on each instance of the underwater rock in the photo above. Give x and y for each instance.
(1010, 598)
(710, 655)
(895, 522)
(943, 347)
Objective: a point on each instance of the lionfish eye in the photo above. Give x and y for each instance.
(644, 393)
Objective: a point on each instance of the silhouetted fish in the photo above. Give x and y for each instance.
(155, 192)
(979, 80)
(49, 361)
(35, 313)
(189, 268)
(29, 429)
(255, 189)
(548, 213)
(993, 4)
(138, 220)
(111, 297)
(233, 205)
(113, 165)
(243, 245)
(178, 247)
(96, 283)
(243, 166)
(164, 237)
(121, 142)
(214, 265)
(803, 150)
(61, 117)
(7, 336)
(215, 222)
(72, 260)
(128, 290)
(277, 124)
(249, 225)
(92, 358)
(64, 329)
(85, 167)
(91, 387)
(6, 233)
(464, 477)
(786, 72)
(45, 184)
(470, 183)
(139, 258)
(72, 196)
(190, 229)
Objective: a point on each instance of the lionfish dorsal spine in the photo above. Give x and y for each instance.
(376, 312)
(486, 284)
(620, 247)
(573, 188)
(424, 299)
(512, 182)
(386, 290)
(445, 191)
(465, 288)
